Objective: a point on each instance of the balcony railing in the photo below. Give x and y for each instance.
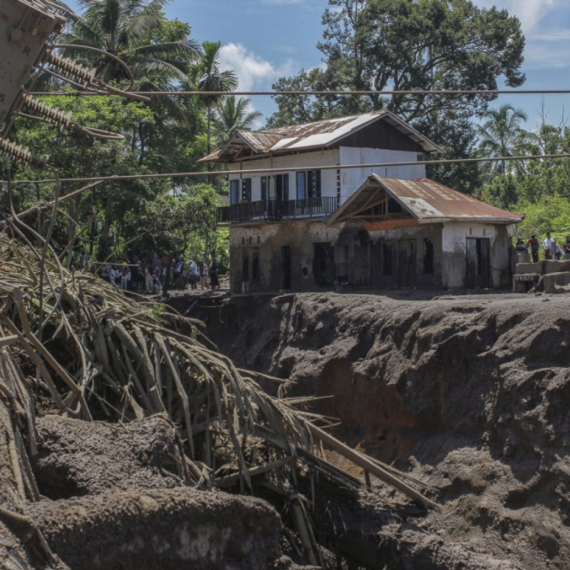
(275, 210)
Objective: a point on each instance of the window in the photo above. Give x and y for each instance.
(264, 188)
(314, 183)
(234, 191)
(246, 190)
(308, 184)
(286, 187)
(301, 186)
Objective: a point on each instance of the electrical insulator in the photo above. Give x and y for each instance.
(50, 114)
(74, 71)
(19, 153)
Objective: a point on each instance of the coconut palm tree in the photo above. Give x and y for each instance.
(232, 114)
(501, 135)
(206, 75)
(124, 28)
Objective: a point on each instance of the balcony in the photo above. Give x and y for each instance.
(275, 210)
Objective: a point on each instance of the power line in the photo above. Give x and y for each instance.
(439, 92)
(128, 177)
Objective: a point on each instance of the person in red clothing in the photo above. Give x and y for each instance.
(534, 247)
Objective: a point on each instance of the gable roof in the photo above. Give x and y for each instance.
(320, 134)
(426, 201)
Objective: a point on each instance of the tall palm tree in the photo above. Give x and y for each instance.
(232, 114)
(501, 135)
(207, 76)
(123, 28)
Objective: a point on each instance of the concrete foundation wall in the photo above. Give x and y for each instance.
(379, 260)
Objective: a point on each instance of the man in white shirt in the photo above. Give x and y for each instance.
(547, 245)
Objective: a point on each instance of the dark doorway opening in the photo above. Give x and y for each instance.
(386, 259)
(286, 267)
(323, 264)
(245, 266)
(428, 256)
(478, 263)
(407, 263)
(255, 264)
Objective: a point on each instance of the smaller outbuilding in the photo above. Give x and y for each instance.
(419, 233)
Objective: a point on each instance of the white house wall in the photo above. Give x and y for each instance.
(454, 251)
(353, 178)
(309, 160)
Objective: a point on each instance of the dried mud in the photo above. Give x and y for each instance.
(111, 501)
(470, 394)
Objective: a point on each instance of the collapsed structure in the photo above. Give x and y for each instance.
(310, 221)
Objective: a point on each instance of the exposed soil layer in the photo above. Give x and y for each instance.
(119, 507)
(470, 394)
(77, 458)
(167, 529)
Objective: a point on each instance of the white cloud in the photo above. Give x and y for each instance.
(252, 70)
(254, 73)
(529, 12)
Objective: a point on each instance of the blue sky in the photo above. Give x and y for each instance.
(265, 39)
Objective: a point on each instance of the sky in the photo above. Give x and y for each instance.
(266, 39)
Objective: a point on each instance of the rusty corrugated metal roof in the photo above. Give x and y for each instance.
(319, 134)
(425, 200)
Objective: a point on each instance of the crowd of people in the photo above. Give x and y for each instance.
(550, 248)
(150, 274)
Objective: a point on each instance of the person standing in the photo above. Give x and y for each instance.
(555, 251)
(214, 282)
(194, 275)
(534, 247)
(566, 248)
(125, 276)
(203, 276)
(148, 280)
(547, 245)
(522, 251)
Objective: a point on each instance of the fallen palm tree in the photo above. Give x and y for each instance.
(100, 355)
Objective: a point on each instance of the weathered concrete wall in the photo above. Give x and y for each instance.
(268, 239)
(393, 239)
(360, 259)
(454, 250)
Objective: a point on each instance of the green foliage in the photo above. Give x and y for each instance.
(552, 214)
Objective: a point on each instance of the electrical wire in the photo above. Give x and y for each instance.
(101, 52)
(155, 176)
(439, 92)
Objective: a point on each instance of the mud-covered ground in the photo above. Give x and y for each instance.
(470, 394)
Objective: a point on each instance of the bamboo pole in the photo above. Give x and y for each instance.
(368, 465)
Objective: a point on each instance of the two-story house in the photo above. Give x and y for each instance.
(302, 219)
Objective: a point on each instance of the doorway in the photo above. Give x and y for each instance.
(478, 257)
(323, 264)
(286, 267)
(407, 263)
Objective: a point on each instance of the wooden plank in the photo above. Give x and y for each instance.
(8, 340)
(368, 465)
